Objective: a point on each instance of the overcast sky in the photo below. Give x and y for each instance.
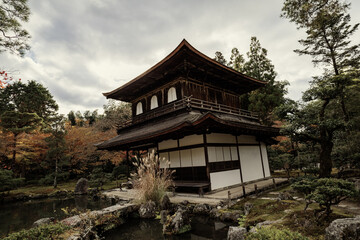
(82, 48)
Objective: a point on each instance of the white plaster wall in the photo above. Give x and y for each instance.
(191, 140)
(164, 157)
(224, 179)
(227, 153)
(220, 138)
(219, 154)
(250, 163)
(198, 157)
(167, 144)
(174, 159)
(247, 139)
(185, 156)
(265, 160)
(234, 154)
(212, 154)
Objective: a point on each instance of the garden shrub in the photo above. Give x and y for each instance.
(44, 232)
(271, 233)
(324, 191)
(150, 180)
(7, 180)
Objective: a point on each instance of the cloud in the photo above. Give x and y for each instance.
(83, 48)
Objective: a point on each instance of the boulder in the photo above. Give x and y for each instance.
(177, 224)
(247, 208)
(147, 210)
(230, 216)
(345, 228)
(128, 185)
(357, 184)
(82, 186)
(43, 221)
(163, 216)
(165, 203)
(236, 233)
(201, 209)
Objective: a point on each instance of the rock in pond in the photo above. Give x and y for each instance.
(344, 229)
(82, 186)
(236, 233)
(165, 203)
(201, 209)
(247, 208)
(43, 221)
(177, 224)
(147, 210)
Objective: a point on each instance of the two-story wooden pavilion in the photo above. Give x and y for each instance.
(187, 107)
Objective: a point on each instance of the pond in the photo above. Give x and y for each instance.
(20, 215)
(202, 228)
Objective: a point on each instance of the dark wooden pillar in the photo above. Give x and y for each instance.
(206, 158)
(128, 163)
(241, 174)
(262, 161)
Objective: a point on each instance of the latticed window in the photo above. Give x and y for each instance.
(154, 102)
(171, 94)
(139, 108)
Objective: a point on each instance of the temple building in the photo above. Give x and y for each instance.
(187, 107)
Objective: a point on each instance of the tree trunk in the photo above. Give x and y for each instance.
(13, 162)
(56, 172)
(325, 158)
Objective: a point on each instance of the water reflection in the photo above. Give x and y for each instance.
(202, 228)
(20, 215)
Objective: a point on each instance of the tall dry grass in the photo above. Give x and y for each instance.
(151, 181)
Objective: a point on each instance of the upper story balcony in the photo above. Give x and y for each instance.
(188, 103)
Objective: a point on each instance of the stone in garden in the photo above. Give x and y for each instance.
(177, 224)
(147, 210)
(127, 185)
(165, 203)
(357, 184)
(344, 229)
(82, 186)
(236, 233)
(201, 209)
(163, 216)
(247, 208)
(231, 216)
(43, 221)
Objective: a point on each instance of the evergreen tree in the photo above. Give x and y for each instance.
(13, 37)
(264, 100)
(24, 108)
(328, 29)
(219, 57)
(17, 123)
(56, 157)
(72, 118)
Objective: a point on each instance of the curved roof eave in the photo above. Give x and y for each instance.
(183, 43)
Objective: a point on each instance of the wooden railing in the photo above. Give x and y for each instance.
(188, 102)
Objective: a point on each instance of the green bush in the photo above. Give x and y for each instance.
(271, 233)
(49, 179)
(45, 232)
(99, 177)
(7, 180)
(324, 191)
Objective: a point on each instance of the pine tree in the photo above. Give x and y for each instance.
(328, 29)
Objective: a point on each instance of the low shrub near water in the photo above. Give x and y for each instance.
(150, 180)
(45, 232)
